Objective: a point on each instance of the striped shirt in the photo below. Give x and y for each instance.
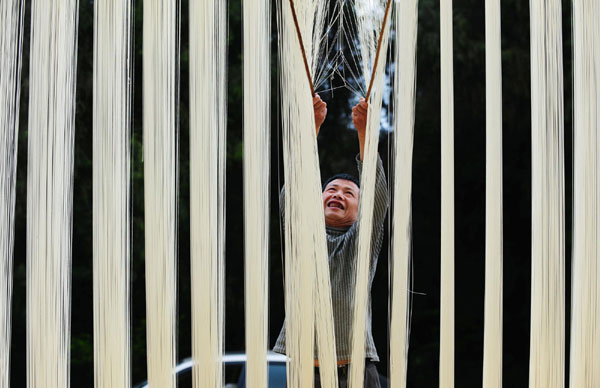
(342, 244)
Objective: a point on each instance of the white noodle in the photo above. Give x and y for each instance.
(257, 131)
(208, 118)
(404, 119)
(492, 337)
(111, 199)
(585, 315)
(51, 131)
(547, 337)
(160, 95)
(308, 289)
(447, 224)
(11, 46)
(369, 26)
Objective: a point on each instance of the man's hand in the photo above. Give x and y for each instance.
(359, 118)
(320, 108)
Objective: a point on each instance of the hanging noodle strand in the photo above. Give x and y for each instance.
(307, 286)
(370, 27)
(404, 119)
(492, 347)
(447, 223)
(585, 314)
(160, 100)
(257, 130)
(208, 119)
(11, 46)
(51, 130)
(111, 200)
(547, 336)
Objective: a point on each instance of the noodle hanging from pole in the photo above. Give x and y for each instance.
(547, 336)
(50, 191)
(11, 47)
(161, 133)
(112, 193)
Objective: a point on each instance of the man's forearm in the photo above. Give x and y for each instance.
(361, 144)
(381, 203)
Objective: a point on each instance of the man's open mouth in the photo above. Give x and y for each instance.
(335, 204)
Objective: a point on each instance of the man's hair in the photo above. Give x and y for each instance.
(344, 176)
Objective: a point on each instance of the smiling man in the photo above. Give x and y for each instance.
(340, 200)
(341, 195)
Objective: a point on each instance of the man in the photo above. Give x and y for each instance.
(340, 204)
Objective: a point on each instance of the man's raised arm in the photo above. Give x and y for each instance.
(359, 118)
(320, 108)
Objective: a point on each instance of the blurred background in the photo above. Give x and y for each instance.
(337, 148)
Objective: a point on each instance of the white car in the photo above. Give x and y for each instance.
(235, 371)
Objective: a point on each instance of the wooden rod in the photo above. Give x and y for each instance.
(310, 82)
(385, 17)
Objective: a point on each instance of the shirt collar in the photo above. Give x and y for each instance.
(336, 230)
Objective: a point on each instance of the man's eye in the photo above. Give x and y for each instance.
(350, 193)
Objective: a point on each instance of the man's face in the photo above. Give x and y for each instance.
(340, 202)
